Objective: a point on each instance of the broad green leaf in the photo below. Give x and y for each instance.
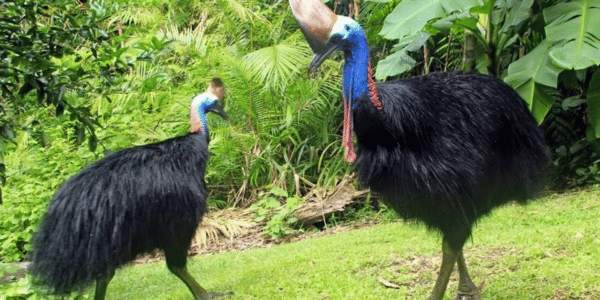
(484, 8)
(538, 100)
(414, 43)
(463, 19)
(518, 11)
(578, 57)
(529, 74)
(396, 63)
(593, 102)
(459, 5)
(400, 61)
(407, 23)
(575, 29)
(534, 66)
(410, 16)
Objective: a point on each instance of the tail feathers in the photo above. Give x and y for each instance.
(65, 259)
(63, 273)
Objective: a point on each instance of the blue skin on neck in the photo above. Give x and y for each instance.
(355, 82)
(204, 106)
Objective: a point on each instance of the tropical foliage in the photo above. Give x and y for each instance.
(283, 129)
(119, 73)
(52, 52)
(549, 51)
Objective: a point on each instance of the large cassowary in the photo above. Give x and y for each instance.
(444, 149)
(131, 202)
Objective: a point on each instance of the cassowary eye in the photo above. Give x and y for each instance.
(347, 27)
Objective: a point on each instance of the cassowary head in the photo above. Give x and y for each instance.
(209, 101)
(327, 32)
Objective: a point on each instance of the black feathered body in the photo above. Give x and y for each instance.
(131, 202)
(447, 148)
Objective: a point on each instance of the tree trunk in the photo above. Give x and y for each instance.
(316, 209)
(469, 59)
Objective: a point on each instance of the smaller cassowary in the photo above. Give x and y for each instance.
(129, 203)
(444, 149)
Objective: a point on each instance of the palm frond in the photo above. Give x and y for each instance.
(274, 66)
(137, 15)
(224, 224)
(244, 13)
(187, 37)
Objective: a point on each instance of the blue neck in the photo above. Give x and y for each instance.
(356, 69)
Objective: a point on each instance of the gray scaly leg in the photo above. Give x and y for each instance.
(102, 285)
(448, 260)
(467, 290)
(183, 274)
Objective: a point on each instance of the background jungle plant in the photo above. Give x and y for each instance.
(82, 79)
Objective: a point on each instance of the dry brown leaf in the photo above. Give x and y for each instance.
(387, 283)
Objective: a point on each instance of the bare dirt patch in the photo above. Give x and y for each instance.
(15, 272)
(566, 294)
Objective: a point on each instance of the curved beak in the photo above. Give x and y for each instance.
(218, 109)
(319, 58)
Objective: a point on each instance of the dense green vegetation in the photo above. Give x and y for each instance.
(81, 79)
(547, 250)
(277, 133)
(548, 50)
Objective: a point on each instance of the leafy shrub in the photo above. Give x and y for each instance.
(23, 288)
(153, 56)
(277, 209)
(280, 130)
(35, 172)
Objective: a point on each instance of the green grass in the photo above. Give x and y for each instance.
(547, 250)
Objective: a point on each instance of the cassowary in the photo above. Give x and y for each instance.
(129, 203)
(443, 149)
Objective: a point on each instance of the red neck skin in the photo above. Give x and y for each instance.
(347, 143)
(195, 123)
(373, 92)
(196, 128)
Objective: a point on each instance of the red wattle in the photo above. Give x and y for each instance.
(347, 143)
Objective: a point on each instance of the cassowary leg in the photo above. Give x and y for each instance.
(448, 260)
(182, 273)
(467, 290)
(102, 285)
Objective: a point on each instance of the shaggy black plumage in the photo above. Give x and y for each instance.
(444, 149)
(131, 202)
(448, 148)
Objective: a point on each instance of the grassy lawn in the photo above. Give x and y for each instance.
(547, 250)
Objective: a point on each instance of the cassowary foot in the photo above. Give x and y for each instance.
(467, 290)
(468, 295)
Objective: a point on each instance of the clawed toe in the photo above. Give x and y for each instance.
(467, 296)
